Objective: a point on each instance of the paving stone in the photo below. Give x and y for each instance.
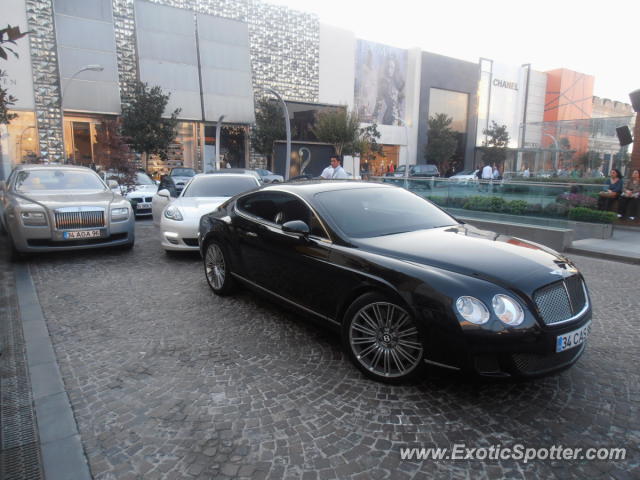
(171, 381)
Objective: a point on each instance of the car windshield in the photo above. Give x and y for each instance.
(262, 172)
(219, 186)
(58, 179)
(377, 211)
(143, 179)
(183, 172)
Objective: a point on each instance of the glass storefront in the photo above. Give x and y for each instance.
(80, 138)
(454, 105)
(19, 141)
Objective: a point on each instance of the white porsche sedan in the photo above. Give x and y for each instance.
(180, 218)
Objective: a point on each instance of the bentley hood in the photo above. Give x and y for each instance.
(464, 249)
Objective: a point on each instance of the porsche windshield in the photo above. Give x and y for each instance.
(219, 186)
(58, 179)
(377, 211)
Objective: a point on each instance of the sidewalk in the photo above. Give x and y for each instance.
(623, 246)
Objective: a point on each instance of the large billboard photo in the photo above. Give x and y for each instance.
(380, 82)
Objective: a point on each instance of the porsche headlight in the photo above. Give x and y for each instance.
(34, 218)
(173, 213)
(472, 310)
(507, 310)
(119, 214)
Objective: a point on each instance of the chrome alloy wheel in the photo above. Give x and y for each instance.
(215, 267)
(385, 340)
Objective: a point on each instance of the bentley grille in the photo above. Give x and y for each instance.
(70, 220)
(561, 301)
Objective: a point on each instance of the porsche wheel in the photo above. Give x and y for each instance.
(382, 339)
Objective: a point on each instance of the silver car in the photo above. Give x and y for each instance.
(48, 208)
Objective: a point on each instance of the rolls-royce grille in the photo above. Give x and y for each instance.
(561, 300)
(70, 220)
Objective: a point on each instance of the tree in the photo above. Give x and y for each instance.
(269, 127)
(443, 142)
(111, 150)
(143, 125)
(338, 127)
(494, 148)
(8, 35)
(367, 143)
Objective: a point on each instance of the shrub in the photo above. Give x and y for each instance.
(516, 207)
(556, 210)
(533, 209)
(577, 200)
(582, 214)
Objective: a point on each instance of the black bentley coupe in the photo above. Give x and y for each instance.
(404, 282)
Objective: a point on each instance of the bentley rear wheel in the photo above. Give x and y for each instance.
(382, 339)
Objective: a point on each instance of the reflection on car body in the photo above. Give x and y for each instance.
(403, 281)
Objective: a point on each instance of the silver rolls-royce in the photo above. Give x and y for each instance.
(62, 207)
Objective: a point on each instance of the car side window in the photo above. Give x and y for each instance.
(279, 208)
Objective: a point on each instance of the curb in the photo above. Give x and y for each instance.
(63, 457)
(603, 255)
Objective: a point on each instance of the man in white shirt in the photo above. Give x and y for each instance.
(334, 170)
(487, 176)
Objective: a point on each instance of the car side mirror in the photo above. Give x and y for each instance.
(164, 193)
(296, 226)
(112, 184)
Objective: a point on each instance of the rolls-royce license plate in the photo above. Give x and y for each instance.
(81, 234)
(572, 339)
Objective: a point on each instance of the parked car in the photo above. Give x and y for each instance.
(47, 208)
(422, 170)
(180, 218)
(138, 188)
(268, 176)
(404, 282)
(176, 180)
(238, 170)
(465, 176)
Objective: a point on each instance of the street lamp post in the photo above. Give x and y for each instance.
(288, 128)
(86, 68)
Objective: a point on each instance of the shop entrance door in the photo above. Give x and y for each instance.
(82, 145)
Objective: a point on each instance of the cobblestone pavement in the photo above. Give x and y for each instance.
(168, 381)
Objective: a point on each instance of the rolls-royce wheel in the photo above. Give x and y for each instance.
(382, 339)
(217, 269)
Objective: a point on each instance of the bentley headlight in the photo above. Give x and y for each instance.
(173, 213)
(34, 218)
(119, 214)
(472, 310)
(507, 310)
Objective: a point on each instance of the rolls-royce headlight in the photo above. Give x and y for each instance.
(34, 218)
(472, 310)
(119, 214)
(173, 213)
(507, 310)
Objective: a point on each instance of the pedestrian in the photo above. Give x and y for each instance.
(495, 173)
(611, 190)
(334, 170)
(629, 201)
(487, 175)
(526, 173)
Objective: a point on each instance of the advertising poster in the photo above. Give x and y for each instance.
(380, 82)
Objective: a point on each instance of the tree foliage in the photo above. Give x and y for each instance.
(443, 142)
(143, 125)
(339, 127)
(269, 127)
(8, 35)
(494, 148)
(367, 143)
